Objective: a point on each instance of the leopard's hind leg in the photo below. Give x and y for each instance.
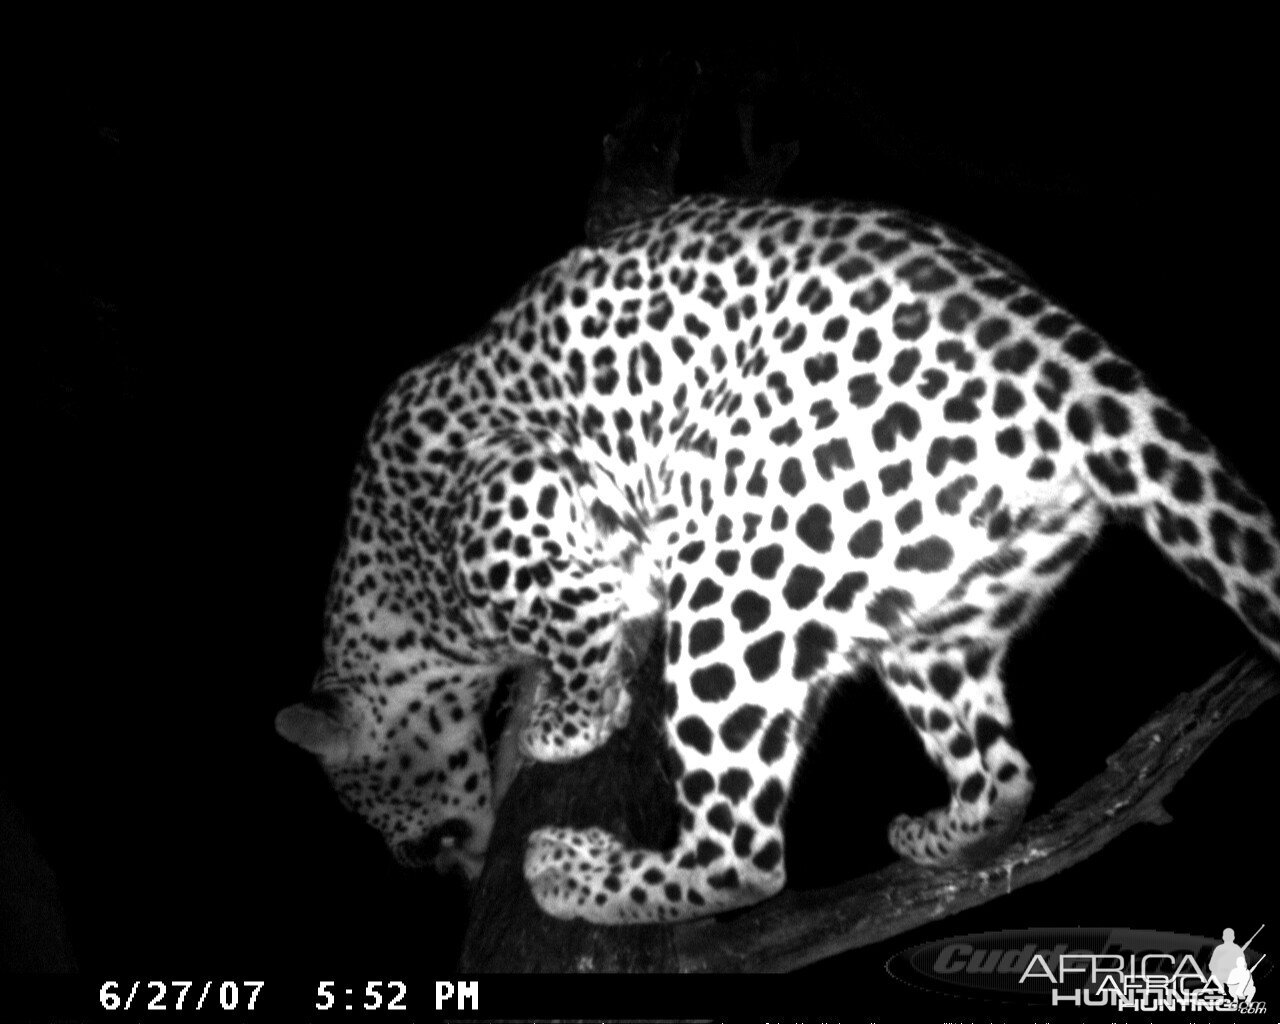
(954, 698)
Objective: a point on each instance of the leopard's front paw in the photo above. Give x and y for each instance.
(563, 727)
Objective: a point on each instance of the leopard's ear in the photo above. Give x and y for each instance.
(315, 724)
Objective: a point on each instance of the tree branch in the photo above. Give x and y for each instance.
(623, 787)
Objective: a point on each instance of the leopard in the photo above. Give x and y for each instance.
(790, 440)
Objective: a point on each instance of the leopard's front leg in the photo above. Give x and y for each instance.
(731, 723)
(582, 678)
(566, 581)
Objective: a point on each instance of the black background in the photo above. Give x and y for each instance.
(221, 287)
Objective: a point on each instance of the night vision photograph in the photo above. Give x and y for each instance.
(500, 518)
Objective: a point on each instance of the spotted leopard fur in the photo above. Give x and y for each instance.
(809, 437)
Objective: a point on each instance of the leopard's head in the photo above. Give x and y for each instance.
(411, 764)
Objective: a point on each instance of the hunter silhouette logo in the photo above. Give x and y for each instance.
(1230, 971)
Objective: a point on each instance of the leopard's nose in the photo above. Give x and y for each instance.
(453, 832)
(426, 849)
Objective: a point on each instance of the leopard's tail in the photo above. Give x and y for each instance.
(1144, 456)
